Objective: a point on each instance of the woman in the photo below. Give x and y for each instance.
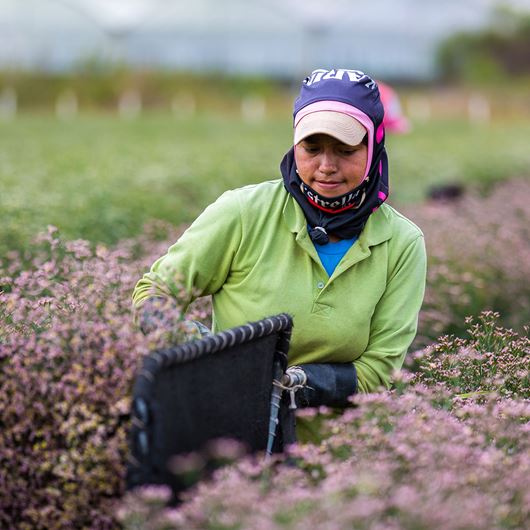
(319, 244)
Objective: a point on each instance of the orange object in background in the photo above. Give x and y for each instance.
(394, 120)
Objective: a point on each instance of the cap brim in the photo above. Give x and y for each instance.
(341, 126)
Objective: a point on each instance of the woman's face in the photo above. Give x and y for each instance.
(329, 166)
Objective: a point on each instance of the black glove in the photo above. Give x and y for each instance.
(329, 384)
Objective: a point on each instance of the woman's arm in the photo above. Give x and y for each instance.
(395, 319)
(200, 261)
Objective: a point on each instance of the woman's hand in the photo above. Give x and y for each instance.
(328, 384)
(162, 319)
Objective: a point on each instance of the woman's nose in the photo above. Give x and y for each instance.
(328, 163)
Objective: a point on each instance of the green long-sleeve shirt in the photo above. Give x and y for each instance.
(251, 251)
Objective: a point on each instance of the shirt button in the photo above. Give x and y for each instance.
(320, 285)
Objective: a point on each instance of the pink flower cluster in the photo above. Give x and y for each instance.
(491, 360)
(447, 449)
(478, 251)
(68, 355)
(412, 459)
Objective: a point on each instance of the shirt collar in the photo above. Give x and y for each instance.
(377, 229)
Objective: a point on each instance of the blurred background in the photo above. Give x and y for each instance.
(282, 39)
(114, 112)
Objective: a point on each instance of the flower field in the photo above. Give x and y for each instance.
(447, 449)
(418, 458)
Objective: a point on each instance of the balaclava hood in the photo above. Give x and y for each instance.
(356, 94)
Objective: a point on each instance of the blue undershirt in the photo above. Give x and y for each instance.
(331, 253)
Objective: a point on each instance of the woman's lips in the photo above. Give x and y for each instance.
(327, 184)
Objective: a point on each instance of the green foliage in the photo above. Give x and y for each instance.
(489, 54)
(99, 84)
(456, 151)
(101, 178)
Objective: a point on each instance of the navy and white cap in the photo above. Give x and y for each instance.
(342, 103)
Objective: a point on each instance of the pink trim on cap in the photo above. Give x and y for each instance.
(382, 195)
(344, 108)
(380, 133)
